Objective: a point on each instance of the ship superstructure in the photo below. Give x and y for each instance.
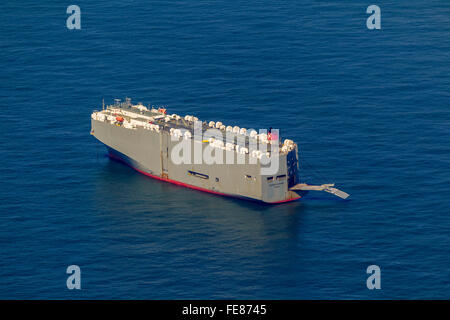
(225, 160)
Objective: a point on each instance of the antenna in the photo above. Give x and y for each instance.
(103, 104)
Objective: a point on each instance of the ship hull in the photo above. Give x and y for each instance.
(149, 153)
(120, 157)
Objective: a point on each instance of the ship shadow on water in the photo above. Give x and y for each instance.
(244, 203)
(189, 235)
(191, 198)
(119, 186)
(159, 193)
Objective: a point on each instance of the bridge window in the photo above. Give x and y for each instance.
(269, 178)
(281, 177)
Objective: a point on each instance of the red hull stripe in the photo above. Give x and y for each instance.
(178, 183)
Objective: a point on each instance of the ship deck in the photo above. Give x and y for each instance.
(159, 119)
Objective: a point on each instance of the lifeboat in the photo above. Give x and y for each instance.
(119, 118)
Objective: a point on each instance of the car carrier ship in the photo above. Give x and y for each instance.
(145, 137)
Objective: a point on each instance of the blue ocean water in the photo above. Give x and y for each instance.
(369, 110)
